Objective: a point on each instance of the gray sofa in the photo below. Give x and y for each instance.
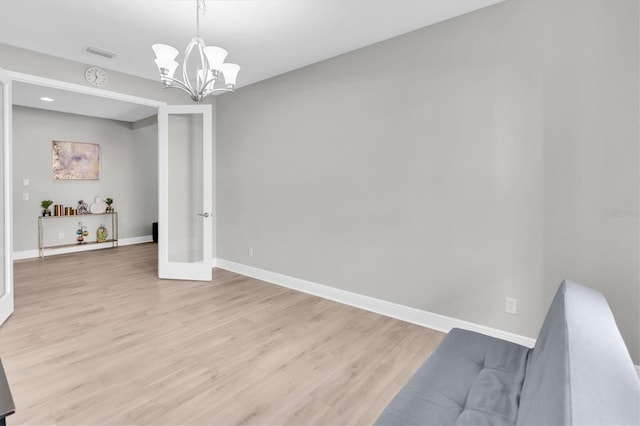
(579, 373)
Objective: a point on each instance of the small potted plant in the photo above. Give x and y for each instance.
(109, 201)
(45, 207)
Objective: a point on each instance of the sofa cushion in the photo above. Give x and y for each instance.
(469, 379)
(580, 372)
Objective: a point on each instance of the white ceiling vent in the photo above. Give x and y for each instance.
(101, 52)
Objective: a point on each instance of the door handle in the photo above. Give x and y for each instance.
(203, 214)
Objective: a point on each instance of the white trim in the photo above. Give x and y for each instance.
(7, 299)
(32, 254)
(214, 184)
(405, 313)
(56, 84)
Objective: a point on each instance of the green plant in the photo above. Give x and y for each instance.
(109, 201)
(46, 204)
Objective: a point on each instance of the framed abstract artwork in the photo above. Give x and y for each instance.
(75, 160)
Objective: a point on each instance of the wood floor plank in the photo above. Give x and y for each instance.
(96, 338)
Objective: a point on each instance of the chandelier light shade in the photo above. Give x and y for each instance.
(210, 66)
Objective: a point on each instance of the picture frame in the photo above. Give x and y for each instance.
(75, 160)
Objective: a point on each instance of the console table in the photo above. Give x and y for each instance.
(43, 219)
(7, 406)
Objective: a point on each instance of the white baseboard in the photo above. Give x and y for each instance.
(32, 254)
(135, 240)
(405, 313)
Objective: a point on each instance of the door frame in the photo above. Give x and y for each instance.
(7, 300)
(86, 90)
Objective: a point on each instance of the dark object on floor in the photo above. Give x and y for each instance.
(7, 406)
(579, 372)
(155, 232)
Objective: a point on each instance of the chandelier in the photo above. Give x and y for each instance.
(209, 63)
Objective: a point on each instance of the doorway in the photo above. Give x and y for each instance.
(125, 136)
(72, 102)
(90, 101)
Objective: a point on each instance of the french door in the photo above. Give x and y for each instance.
(6, 247)
(185, 222)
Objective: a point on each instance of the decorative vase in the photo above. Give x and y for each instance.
(101, 234)
(46, 212)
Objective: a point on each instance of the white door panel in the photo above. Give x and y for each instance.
(185, 230)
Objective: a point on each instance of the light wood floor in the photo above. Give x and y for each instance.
(96, 338)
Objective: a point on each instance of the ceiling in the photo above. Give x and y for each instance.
(265, 37)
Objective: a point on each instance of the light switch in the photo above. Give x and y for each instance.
(25, 182)
(25, 196)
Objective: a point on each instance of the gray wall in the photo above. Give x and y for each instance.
(451, 167)
(591, 183)
(34, 63)
(128, 174)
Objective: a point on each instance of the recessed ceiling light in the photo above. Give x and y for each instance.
(46, 99)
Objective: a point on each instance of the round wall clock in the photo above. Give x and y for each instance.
(96, 76)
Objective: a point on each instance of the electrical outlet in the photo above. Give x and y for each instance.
(511, 306)
(25, 196)
(250, 251)
(61, 235)
(25, 182)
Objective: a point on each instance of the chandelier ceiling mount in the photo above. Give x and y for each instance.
(209, 62)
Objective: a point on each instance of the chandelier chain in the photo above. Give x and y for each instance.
(202, 7)
(201, 10)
